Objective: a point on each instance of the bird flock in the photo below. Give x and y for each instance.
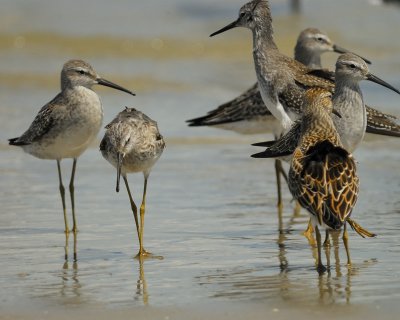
(318, 118)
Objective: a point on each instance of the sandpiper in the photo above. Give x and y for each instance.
(322, 175)
(133, 143)
(311, 44)
(66, 126)
(282, 80)
(347, 100)
(247, 113)
(246, 117)
(243, 115)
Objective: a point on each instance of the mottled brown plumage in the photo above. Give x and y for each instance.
(322, 174)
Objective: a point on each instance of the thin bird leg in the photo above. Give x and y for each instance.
(62, 193)
(133, 205)
(327, 243)
(72, 193)
(142, 212)
(278, 170)
(66, 246)
(309, 231)
(320, 267)
(75, 247)
(346, 244)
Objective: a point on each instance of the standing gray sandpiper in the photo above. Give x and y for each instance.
(133, 143)
(66, 126)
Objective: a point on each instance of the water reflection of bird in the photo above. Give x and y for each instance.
(68, 124)
(141, 284)
(133, 143)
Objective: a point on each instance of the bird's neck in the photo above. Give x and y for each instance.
(348, 101)
(307, 57)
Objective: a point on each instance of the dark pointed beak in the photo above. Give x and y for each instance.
(119, 165)
(226, 28)
(338, 49)
(110, 84)
(263, 154)
(264, 143)
(337, 113)
(377, 80)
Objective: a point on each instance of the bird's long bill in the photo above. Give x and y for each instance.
(226, 28)
(263, 154)
(110, 84)
(119, 165)
(377, 80)
(338, 49)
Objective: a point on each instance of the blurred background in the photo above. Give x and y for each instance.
(206, 196)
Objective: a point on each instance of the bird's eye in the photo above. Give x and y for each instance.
(320, 39)
(353, 66)
(81, 72)
(241, 15)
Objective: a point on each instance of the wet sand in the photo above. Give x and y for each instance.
(211, 210)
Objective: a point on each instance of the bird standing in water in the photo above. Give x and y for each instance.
(133, 143)
(67, 125)
(322, 175)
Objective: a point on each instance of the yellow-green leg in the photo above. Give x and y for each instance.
(309, 231)
(62, 193)
(320, 267)
(72, 191)
(133, 205)
(142, 251)
(327, 243)
(346, 244)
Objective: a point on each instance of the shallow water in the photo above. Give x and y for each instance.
(211, 209)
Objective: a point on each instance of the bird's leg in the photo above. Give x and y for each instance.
(297, 209)
(72, 193)
(62, 193)
(346, 244)
(320, 267)
(143, 252)
(66, 247)
(75, 245)
(327, 243)
(278, 171)
(308, 233)
(133, 205)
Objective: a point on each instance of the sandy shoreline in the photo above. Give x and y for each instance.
(221, 311)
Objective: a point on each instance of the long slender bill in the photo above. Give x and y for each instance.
(119, 165)
(226, 28)
(338, 49)
(377, 80)
(110, 84)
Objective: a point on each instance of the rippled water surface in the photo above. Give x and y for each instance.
(210, 209)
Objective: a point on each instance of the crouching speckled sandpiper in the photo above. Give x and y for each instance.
(66, 126)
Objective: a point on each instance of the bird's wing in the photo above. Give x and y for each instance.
(248, 105)
(41, 125)
(382, 123)
(284, 146)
